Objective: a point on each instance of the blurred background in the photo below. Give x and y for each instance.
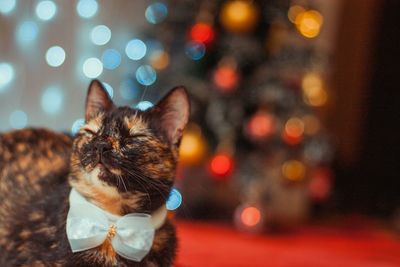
(295, 105)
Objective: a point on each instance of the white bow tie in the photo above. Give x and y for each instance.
(131, 236)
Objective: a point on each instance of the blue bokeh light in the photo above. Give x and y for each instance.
(111, 59)
(76, 126)
(156, 13)
(174, 199)
(143, 105)
(195, 51)
(92, 67)
(146, 75)
(135, 49)
(55, 56)
(6, 6)
(6, 75)
(109, 89)
(128, 90)
(87, 8)
(46, 10)
(100, 35)
(27, 31)
(18, 119)
(52, 100)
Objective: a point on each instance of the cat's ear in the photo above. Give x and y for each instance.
(97, 100)
(173, 112)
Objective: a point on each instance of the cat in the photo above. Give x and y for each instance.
(122, 161)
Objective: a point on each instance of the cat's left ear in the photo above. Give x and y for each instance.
(173, 112)
(97, 100)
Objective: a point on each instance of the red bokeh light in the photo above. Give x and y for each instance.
(261, 125)
(221, 165)
(320, 185)
(225, 78)
(250, 216)
(202, 33)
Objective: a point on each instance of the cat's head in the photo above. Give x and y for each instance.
(124, 159)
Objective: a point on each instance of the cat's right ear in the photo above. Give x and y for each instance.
(97, 100)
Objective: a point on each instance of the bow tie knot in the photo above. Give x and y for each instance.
(88, 226)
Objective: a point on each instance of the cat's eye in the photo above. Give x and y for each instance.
(88, 132)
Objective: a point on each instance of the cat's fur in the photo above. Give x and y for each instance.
(122, 160)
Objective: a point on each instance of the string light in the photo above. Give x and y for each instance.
(111, 59)
(55, 56)
(76, 126)
(135, 49)
(7, 6)
(100, 35)
(109, 89)
(18, 119)
(92, 67)
(144, 105)
(156, 13)
(293, 170)
(195, 50)
(52, 100)
(87, 8)
(221, 166)
(309, 23)
(6, 75)
(146, 75)
(174, 199)
(202, 33)
(46, 10)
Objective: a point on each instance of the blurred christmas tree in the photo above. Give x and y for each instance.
(256, 149)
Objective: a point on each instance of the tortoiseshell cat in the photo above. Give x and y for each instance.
(122, 160)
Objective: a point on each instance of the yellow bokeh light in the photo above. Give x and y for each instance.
(314, 92)
(159, 60)
(294, 11)
(192, 148)
(309, 23)
(239, 16)
(293, 170)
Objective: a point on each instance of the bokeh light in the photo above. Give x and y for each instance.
(6, 75)
(260, 126)
(18, 119)
(128, 90)
(195, 50)
(52, 100)
(6, 6)
(239, 16)
(144, 105)
(27, 31)
(221, 165)
(109, 89)
(202, 33)
(293, 132)
(100, 35)
(92, 67)
(226, 78)
(135, 49)
(111, 59)
(314, 92)
(293, 170)
(55, 56)
(146, 75)
(309, 23)
(250, 216)
(174, 199)
(320, 185)
(192, 148)
(156, 12)
(159, 59)
(294, 11)
(87, 8)
(46, 10)
(76, 126)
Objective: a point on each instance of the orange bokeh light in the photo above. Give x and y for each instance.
(250, 216)
(261, 125)
(225, 78)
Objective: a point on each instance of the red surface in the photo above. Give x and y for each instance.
(212, 245)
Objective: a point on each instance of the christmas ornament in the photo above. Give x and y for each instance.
(239, 16)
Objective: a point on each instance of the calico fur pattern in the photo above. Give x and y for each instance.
(38, 168)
